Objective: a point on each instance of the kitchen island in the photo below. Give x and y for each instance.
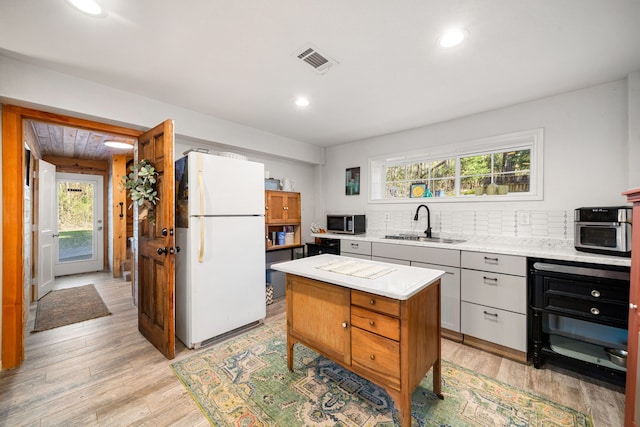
(378, 320)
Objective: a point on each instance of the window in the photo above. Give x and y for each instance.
(501, 167)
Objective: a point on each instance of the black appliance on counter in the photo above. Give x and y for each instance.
(579, 316)
(603, 230)
(323, 246)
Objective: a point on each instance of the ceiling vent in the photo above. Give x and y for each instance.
(318, 60)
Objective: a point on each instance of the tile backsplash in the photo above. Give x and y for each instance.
(537, 224)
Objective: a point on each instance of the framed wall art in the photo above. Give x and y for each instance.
(352, 181)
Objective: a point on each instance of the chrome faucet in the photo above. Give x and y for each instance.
(415, 218)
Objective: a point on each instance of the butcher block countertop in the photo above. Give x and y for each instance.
(391, 280)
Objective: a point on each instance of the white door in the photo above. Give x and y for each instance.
(46, 225)
(80, 225)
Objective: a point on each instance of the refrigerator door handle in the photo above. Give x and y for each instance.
(201, 251)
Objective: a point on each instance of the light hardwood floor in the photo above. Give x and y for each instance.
(103, 372)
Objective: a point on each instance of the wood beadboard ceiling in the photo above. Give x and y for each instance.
(69, 142)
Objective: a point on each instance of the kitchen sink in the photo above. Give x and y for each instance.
(419, 238)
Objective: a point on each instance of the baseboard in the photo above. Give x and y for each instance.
(451, 335)
(498, 349)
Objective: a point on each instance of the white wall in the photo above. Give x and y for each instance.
(32, 86)
(585, 152)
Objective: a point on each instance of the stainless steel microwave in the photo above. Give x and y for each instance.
(603, 230)
(346, 224)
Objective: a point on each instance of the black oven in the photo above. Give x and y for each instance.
(579, 316)
(604, 230)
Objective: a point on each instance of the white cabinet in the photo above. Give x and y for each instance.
(494, 300)
(449, 295)
(447, 260)
(355, 248)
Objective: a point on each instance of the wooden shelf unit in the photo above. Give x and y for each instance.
(282, 209)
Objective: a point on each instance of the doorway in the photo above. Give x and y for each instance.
(80, 224)
(15, 287)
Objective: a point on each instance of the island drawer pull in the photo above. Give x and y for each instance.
(354, 245)
(493, 280)
(491, 260)
(490, 314)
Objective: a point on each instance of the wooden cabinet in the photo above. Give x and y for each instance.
(632, 394)
(282, 207)
(493, 293)
(282, 214)
(390, 342)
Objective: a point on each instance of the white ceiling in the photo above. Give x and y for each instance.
(236, 59)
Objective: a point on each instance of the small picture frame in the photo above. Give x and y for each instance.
(352, 181)
(418, 190)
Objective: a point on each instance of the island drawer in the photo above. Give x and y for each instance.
(377, 323)
(376, 354)
(375, 302)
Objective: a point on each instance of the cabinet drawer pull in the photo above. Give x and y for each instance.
(490, 260)
(595, 293)
(490, 314)
(372, 302)
(595, 311)
(345, 324)
(493, 280)
(372, 357)
(371, 323)
(354, 245)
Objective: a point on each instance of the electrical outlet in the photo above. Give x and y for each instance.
(523, 218)
(386, 217)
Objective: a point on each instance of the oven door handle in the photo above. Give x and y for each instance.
(581, 271)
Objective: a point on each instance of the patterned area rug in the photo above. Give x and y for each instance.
(66, 306)
(245, 382)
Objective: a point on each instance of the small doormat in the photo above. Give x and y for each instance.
(245, 382)
(66, 306)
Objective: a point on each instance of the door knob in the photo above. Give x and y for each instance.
(633, 306)
(162, 251)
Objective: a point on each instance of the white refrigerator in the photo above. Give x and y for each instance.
(220, 269)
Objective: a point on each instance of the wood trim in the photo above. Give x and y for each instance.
(451, 335)
(12, 240)
(13, 304)
(494, 348)
(118, 169)
(631, 386)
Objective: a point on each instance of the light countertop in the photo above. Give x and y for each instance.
(380, 278)
(536, 248)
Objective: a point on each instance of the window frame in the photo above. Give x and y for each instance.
(529, 139)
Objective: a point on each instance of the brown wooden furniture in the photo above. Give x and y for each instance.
(631, 417)
(390, 342)
(282, 208)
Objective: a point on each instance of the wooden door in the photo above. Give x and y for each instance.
(46, 222)
(275, 207)
(156, 245)
(320, 314)
(293, 207)
(631, 417)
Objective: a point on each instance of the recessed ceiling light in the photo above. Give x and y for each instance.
(87, 6)
(453, 37)
(302, 102)
(119, 144)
